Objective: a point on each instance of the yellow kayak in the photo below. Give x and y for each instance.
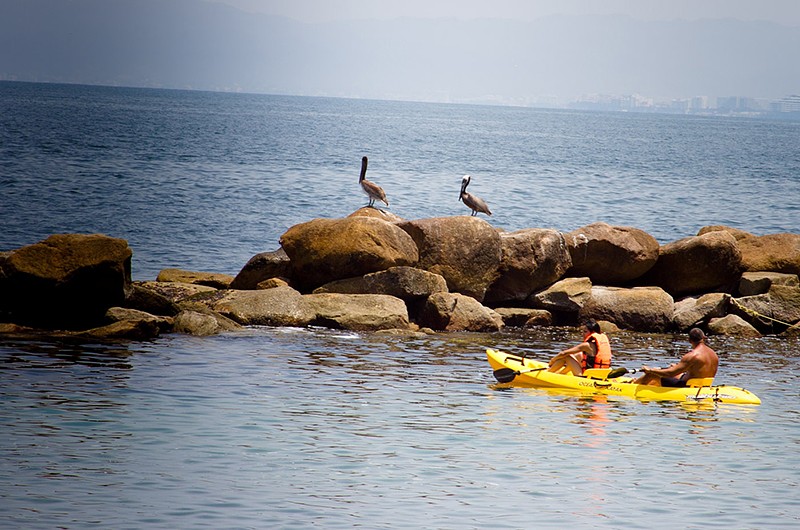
(519, 371)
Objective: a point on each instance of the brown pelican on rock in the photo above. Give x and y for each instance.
(475, 203)
(373, 191)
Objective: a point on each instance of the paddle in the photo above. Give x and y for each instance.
(506, 375)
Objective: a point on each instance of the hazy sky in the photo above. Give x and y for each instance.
(474, 51)
(783, 11)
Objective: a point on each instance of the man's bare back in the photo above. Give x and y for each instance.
(700, 362)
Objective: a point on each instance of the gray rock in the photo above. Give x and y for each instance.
(698, 264)
(280, 306)
(637, 309)
(458, 312)
(177, 292)
(732, 325)
(124, 330)
(195, 323)
(524, 317)
(565, 296)
(210, 279)
(753, 283)
(262, 267)
(140, 297)
(611, 255)
(530, 260)
(407, 283)
(464, 250)
(324, 250)
(359, 312)
(770, 312)
(121, 314)
(691, 312)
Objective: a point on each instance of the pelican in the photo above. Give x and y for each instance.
(373, 191)
(475, 203)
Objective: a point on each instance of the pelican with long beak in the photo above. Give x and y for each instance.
(475, 203)
(373, 191)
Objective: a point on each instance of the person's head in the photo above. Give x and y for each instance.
(696, 336)
(592, 326)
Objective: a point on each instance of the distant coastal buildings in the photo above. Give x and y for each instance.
(787, 107)
(789, 104)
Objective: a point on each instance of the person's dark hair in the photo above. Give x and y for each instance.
(593, 326)
(696, 335)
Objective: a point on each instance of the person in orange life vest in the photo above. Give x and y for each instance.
(593, 352)
(700, 362)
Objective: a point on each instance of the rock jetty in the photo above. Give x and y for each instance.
(373, 271)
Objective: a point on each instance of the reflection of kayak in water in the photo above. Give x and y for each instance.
(515, 370)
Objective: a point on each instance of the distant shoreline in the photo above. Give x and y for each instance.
(609, 103)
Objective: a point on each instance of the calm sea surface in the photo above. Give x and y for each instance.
(298, 428)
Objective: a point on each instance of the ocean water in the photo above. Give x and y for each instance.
(305, 428)
(204, 181)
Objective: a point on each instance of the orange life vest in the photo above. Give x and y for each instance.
(602, 356)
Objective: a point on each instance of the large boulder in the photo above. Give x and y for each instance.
(611, 255)
(138, 296)
(530, 260)
(123, 330)
(637, 309)
(735, 232)
(772, 252)
(174, 292)
(280, 306)
(770, 312)
(524, 317)
(378, 213)
(565, 297)
(697, 264)
(407, 283)
(284, 306)
(691, 312)
(196, 323)
(66, 281)
(210, 279)
(732, 325)
(359, 312)
(121, 314)
(262, 267)
(458, 312)
(464, 250)
(753, 283)
(324, 250)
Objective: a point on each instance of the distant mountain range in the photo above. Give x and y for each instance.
(208, 46)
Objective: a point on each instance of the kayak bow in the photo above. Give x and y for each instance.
(519, 371)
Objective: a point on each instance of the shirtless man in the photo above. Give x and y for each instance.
(699, 362)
